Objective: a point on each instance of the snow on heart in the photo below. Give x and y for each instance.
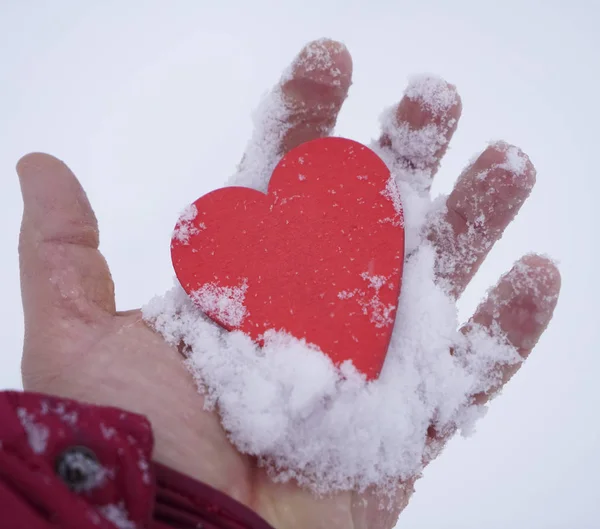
(287, 404)
(227, 303)
(380, 313)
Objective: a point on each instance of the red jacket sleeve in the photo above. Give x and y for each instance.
(65, 464)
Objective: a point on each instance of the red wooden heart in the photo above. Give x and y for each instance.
(319, 256)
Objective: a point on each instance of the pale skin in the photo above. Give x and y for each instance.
(77, 344)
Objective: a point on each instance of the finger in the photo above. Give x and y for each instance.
(63, 275)
(520, 307)
(314, 90)
(420, 127)
(304, 106)
(514, 315)
(486, 198)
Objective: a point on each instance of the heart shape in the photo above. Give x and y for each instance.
(320, 256)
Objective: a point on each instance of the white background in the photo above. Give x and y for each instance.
(150, 102)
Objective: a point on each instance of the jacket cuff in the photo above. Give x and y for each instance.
(69, 464)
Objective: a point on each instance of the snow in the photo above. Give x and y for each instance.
(117, 514)
(185, 227)
(432, 93)
(381, 314)
(419, 146)
(94, 472)
(262, 152)
(37, 434)
(467, 225)
(319, 56)
(392, 193)
(516, 162)
(324, 426)
(108, 432)
(225, 303)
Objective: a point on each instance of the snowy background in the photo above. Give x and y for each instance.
(149, 103)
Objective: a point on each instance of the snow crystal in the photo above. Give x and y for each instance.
(516, 161)
(108, 432)
(318, 56)
(392, 193)
(95, 473)
(263, 151)
(433, 93)
(381, 314)
(185, 227)
(418, 146)
(61, 410)
(144, 467)
(37, 434)
(224, 303)
(462, 224)
(117, 514)
(285, 403)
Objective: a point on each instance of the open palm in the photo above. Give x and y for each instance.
(78, 346)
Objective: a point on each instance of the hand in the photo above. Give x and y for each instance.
(77, 344)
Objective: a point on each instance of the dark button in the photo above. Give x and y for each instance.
(79, 468)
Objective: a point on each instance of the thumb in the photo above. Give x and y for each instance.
(65, 281)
